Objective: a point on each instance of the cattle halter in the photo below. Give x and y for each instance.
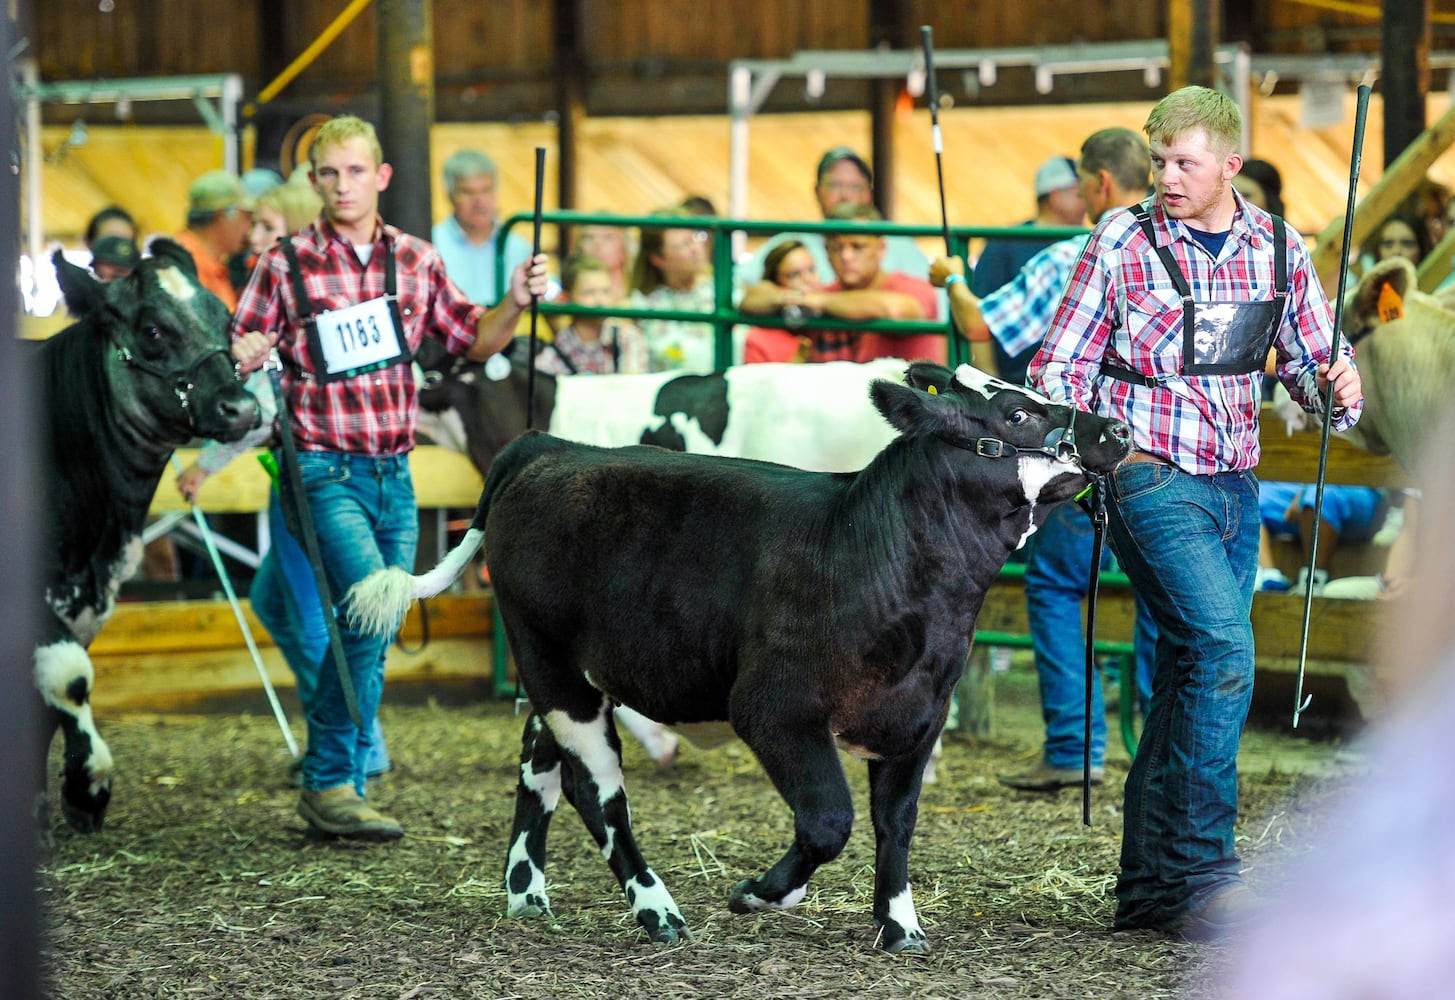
(182, 379)
(1059, 444)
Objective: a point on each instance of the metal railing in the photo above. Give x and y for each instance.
(724, 315)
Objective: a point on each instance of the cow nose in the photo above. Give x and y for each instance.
(1120, 431)
(238, 411)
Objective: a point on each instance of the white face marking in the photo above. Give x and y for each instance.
(989, 385)
(175, 284)
(587, 740)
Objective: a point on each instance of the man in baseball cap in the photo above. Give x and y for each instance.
(114, 257)
(219, 215)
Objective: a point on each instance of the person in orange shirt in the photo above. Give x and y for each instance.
(219, 216)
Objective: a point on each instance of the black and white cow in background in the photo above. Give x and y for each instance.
(144, 369)
(812, 611)
(809, 416)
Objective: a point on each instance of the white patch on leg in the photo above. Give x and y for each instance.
(89, 619)
(533, 901)
(545, 784)
(901, 911)
(791, 899)
(654, 898)
(587, 740)
(57, 668)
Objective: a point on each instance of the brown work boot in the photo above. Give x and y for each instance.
(1045, 778)
(340, 812)
(1221, 916)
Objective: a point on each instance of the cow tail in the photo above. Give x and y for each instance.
(378, 603)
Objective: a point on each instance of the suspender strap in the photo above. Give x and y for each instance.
(295, 276)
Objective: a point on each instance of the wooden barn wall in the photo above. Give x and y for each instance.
(493, 60)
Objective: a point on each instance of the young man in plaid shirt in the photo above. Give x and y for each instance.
(346, 301)
(1167, 323)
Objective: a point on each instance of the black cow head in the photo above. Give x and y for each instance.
(1003, 422)
(165, 347)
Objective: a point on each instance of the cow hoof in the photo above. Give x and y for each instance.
(671, 930)
(529, 906)
(743, 900)
(898, 941)
(82, 821)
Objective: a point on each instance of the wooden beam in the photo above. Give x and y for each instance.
(1383, 199)
(1405, 78)
(1193, 27)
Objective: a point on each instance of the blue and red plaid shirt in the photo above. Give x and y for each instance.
(374, 413)
(1120, 306)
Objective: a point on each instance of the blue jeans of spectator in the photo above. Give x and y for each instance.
(1189, 544)
(365, 517)
(285, 599)
(1058, 577)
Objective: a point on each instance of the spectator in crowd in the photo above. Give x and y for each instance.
(608, 244)
(468, 239)
(1349, 515)
(353, 415)
(114, 257)
(1261, 183)
(1182, 508)
(789, 267)
(1427, 205)
(219, 216)
(1398, 236)
(592, 345)
(843, 177)
(670, 274)
(113, 220)
(1058, 203)
(862, 289)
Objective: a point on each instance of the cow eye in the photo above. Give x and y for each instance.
(1019, 416)
(154, 333)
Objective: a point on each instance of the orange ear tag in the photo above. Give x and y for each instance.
(1390, 306)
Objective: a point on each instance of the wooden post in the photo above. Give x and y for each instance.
(1193, 27)
(1404, 30)
(405, 53)
(976, 694)
(1399, 179)
(888, 26)
(569, 56)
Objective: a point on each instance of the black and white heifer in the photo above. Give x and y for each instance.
(812, 611)
(144, 369)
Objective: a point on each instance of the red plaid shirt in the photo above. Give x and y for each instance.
(374, 413)
(1120, 306)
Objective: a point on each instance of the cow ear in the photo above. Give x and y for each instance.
(928, 377)
(174, 253)
(1394, 277)
(84, 293)
(917, 411)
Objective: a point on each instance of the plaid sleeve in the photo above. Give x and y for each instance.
(1019, 312)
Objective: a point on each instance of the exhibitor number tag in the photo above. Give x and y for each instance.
(358, 338)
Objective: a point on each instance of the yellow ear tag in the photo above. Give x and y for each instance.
(932, 390)
(1390, 306)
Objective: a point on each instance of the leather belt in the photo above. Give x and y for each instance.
(1145, 456)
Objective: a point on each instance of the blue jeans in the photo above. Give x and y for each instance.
(1190, 547)
(1058, 577)
(365, 517)
(285, 599)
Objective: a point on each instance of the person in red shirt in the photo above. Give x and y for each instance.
(862, 290)
(346, 302)
(219, 216)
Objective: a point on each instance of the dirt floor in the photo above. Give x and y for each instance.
(204, 883)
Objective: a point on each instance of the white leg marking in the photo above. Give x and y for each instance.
(901, 911)
(57, 669)
(587, 740)
(654, 897)
(792, 899)
(532, 900)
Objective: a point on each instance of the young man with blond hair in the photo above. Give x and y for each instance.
(369, 294)
(1166, 323)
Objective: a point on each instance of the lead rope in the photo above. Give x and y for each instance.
(1093, 501)
(530, 376)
